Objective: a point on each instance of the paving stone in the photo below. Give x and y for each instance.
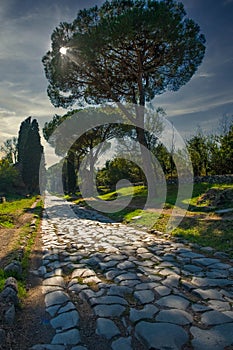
(175, 316)
(113, 310)
(216, 338)
(171, 281)
(126, 265)
(52, 310)
(219, 305)
(192, 268)
(217, 274)
(144, 296)
(221, 266)
(65, 321)
(147, 312)
(206, 261)
(107, 328)
(107, 300)
(210, 282)
(161, 335)
(211, 318)
(191, 255)
(163, 290)
(54, 298)
(68, 307)
(125, 277)
(110, 275)
(54, 281)
(70, 337)
(79, 348)
(119, 290)
(130, 283)
(173, 301)
(208, 294)
(122, 343)
(146, 285)
(200, 308)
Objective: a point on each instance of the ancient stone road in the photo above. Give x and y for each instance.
(108, 286)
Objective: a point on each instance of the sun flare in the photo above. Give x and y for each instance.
(63, 50)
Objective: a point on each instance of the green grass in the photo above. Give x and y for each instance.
(201, 225)
(26, 238)
(21, 284)
(12, 209)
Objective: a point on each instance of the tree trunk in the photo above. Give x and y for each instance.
(147, 165)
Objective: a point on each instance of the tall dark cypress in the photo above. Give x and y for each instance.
(30, 154)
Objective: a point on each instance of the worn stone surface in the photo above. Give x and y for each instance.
(161, 335)
(137, 289)
(107, 328)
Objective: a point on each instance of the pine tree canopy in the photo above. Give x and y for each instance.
(123, 51)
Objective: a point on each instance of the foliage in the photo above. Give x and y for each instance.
(123, 51)
(91, 142)
(8, 176)
(30, 153)
(118, 169)
(199, 154)
(10, 151)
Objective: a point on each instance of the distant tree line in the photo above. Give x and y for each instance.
(23, 160)
(210, 155)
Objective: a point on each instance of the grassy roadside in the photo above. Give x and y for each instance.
(25, 221)
(201, 224)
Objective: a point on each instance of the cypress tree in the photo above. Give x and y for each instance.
(30, 154)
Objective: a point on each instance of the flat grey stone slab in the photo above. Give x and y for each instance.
(125, 277)
(65, 321)
(161, 335)
(217, 274)
(211, 318)
(106, 328)
(192, 268)
(216, 338)
(206, 261)
(208, 294)
(175, 316)
(211, 282)
(163, 290)
(79, 347)
(119, 290)
(122, 344)
(219, 305)
(173, 301)
(109, 310)
(147, 312)
(70, 337)
(171, 281)
(68, 307)
(144, 296)
(54, 281)
(200, 308)
(108, 300)
(126, 265)
(192, 255)
(54, 298)
(221, 266)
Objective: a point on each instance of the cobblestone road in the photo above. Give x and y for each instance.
(108, 286)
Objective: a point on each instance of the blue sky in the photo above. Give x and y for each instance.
(25, 30)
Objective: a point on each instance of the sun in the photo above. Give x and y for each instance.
(63, 50)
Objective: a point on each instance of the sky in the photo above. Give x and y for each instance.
(25, 30)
